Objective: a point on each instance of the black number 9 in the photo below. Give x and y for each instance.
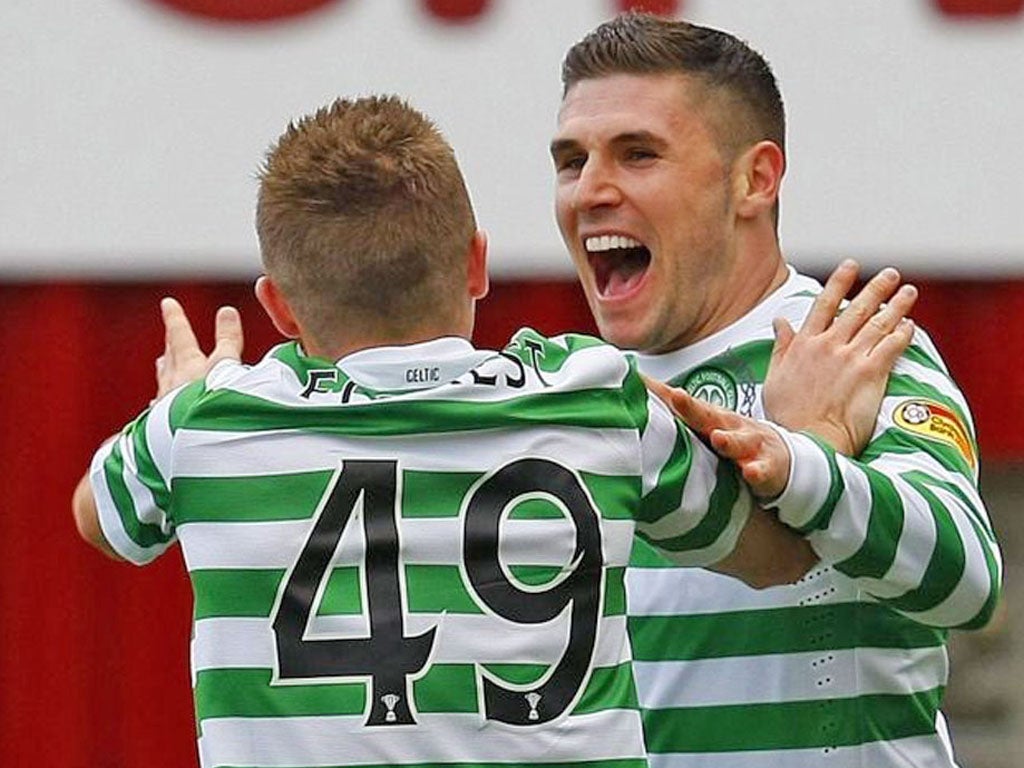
(581, 588)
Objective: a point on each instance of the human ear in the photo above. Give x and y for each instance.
(758, 177)
(277, 308)
(476, 272)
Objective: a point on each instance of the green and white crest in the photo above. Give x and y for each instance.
(712, 385)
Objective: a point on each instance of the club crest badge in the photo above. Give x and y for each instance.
(936, 422)
(713, 385)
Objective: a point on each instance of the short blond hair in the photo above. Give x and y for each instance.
(363, 218)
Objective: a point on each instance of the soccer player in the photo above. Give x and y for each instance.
(669, 155)
(403, 550)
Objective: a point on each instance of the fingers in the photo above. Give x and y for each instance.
(228, 335)
(179, 339)
(863, 307)
(701, 416)
(886, 320)
(887, 351)
(826, 305)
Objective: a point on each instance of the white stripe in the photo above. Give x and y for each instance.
(810, 480)
(789, 677)
(657, 442)
(694, 591)
(461, 639)
(437, 738)
(424, 541)
(932, 378)
(898, 463)
(201, 453)
(700, 482)
(109, 518)
(159, 439)
(913, 550)
(726, 541)
(848, 526)
(973, 589)
(911, 752)
(146, 509)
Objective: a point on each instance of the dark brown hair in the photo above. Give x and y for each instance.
(644, 44)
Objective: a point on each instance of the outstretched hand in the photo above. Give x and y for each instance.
(829, 377)
(767, 553)
(183, 361)
(760, 453)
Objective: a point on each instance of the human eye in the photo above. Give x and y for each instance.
(570, 163)
(640, 154)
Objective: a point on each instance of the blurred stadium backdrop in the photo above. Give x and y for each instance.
(132, 131)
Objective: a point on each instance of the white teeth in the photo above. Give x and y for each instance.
(609, 243)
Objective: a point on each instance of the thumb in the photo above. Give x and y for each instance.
(784, 334)
(228, 335)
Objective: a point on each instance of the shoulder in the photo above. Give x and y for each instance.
(572, 355)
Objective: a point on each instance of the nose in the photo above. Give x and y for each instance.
(596, 187)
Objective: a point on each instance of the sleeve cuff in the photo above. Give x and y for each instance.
(810, 488)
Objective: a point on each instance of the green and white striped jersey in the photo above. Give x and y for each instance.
(847, 668)
(416, 556)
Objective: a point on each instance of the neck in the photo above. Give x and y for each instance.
(757, 270)
(350, 342)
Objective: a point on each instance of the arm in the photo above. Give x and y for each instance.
(829, 378)
(182, 361)
(904, 519)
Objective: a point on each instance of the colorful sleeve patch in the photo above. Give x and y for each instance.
(936, 422)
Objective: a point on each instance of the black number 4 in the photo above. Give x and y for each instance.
(387, 656)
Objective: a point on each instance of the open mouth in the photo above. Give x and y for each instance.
(619, 263)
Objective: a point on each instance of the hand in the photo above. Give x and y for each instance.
(767, 553)
(829, 377)
(760, 453)
(183, 361)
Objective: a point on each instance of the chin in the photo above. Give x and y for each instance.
(623, 338)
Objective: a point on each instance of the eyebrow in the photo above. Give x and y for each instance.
(561, 146)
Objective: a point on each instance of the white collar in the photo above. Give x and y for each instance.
(412, 366)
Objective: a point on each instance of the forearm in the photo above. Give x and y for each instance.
(87, 519)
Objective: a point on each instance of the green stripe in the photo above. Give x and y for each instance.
(251, 592)
(898, 441)
(635, 396)
(183, 402)
(616, 496)
(244, 592)
(608, 688)
(248, 693)
(444, 688)
(945, 567)
(224, 410)
(836, 486)
(295, 496)
(668, 491)
(917, 355)
(719, 514)
(792, 724)
(147, 473)
(776, 630)
(252, 499)
(885, 526)
(144, 535)
(979, 517)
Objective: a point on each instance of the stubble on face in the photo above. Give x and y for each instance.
(676, 203)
